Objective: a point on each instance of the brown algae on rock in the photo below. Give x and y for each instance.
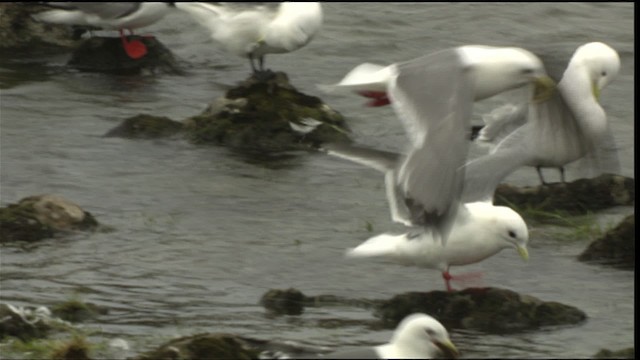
(145, 126)
(268, 115)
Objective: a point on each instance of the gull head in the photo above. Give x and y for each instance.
(422, 336)
(512, 230)
(601, 62)
(499, 69)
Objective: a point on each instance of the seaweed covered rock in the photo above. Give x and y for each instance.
(107, 55)
(146, 127)
(616, 248)
(19, 30)
(577, 197)
(25, 323)
(267, 115)
(203, 346)
(42, 216)
(628, 353)
(77, 311)
(489, 310)
(75, 349)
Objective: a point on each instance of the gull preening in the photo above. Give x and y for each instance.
(418, 336)
(433, 96)
(569, 126)
(253, 30)
(110, 16)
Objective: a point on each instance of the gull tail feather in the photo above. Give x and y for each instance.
(364, 77)
(384, 245)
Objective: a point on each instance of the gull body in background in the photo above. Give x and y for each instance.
(433, 96)
(569, 126)
(110, 16)
(418, 336)
(253, 30)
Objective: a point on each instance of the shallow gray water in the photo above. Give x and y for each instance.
(201, 233)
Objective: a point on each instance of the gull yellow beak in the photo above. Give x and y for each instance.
(544, 87)
(595, 90)
(448, 349)
(524, 253)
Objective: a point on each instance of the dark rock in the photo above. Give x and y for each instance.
(258, 114)
(489, 310)
(74, 349)
(616, 248)
(20, 31)
(284, 302)
(77, 311)
(23, 323)
(146, 127)
(577, 197)
(203, 346)
(38, 217)
(107, 55)
(628, 353)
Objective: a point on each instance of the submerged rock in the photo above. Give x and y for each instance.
(577, 197)
(107, 55)
(42, 216)
(268, 115)
(616, 248)
(628, 353)
(146, 127)
(19, 30)
(203, 346)
(292, 301)
(489, 310)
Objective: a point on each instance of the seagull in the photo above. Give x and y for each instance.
(253, 30)
(418, 336)
(569, 126)
(112, 16)
(433, 96)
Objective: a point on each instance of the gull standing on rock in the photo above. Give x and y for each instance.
(433, 96)
(110, 16)
(569, 126)
(253, 30)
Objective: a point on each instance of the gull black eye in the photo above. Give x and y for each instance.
(512, 234)
(430, 332)
(604, 73)
(527, 71)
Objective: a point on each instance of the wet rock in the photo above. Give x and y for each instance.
(77, 311)
(42, 216)
(489, 310)
(628, 353)
(284, 302)
(19, 30)
(267, 115)
(107, 55)
(203, 346)
(577, 197)
(25, 323)
(146, 127)
(616, 248)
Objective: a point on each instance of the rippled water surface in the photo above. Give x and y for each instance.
(200, 233)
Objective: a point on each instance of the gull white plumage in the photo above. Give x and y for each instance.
(418, 336)
(569, 126)
(433, 96)
(253, 30)
(110, 16)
